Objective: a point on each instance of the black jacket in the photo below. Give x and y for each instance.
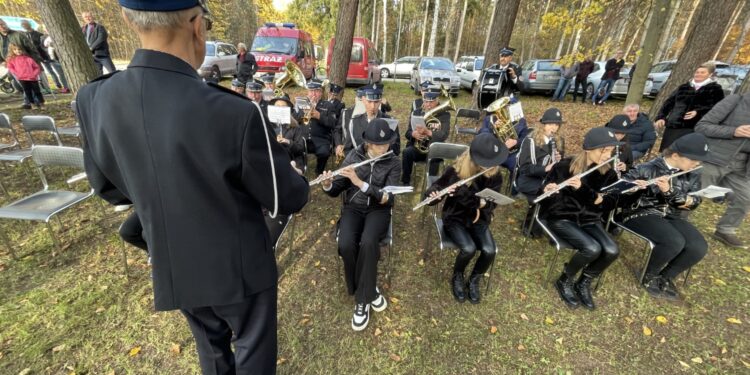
(685, 99)
(199, 175)
(323, 128)
(651, 201)
(352, 129)
(37, 39)
(438, 134)
(532, 160)
(612, 69)
(642, 135)
(584, 69)
(296, 136)
(246, 67)
(719, 126)
(20, 39)
(578, 205)
(383, 172)
(97, 41)
(461, 208)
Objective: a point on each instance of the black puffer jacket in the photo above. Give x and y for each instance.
(461, 208)
(578, 205)
(384, 172)
(651, 201)
(686, 99)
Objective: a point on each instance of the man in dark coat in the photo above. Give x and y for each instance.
(96, 38)
(506, 74)
(641, 135)
(246, 65)
(323, 122)
(585, 68)
(609, 77)
(199, 175)
(436, 131)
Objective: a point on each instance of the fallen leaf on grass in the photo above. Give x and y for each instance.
(661, 319)
(745, 363)
(111, 372)
(493, 330)
(521, 347)
(394, 300)
(395, 357)
(421, 262)
(549, 321)
(524, 317)
(696, 360)
(718, 281)
(629, 320)
(734, 321)
(280, 361)
(333, 222)
(99, 310)
(58, 348)
(724, 350)
(378, 332)
(175, 348)
(663, 340)
(317, 263)
(522, 296)
(746, 268)
(559, 341)
(304, 321)
(647, 331)
(685, 365)
(134, 352)
(25, 371)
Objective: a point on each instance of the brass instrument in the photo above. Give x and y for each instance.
(432, 122)
(292, 74)
(502, 126)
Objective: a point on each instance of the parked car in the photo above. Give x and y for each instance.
(401, 67)
(437, 70)
(14, 23)
(621, 85)
(220, 60)
(469, 68)
(540, 76)
(662, 70)
(363, 64)
(275, 43)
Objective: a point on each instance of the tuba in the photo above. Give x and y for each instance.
(431, 121)
(292, 74)
(502, 126)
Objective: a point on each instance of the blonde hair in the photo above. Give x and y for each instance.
(711, 67)
(580, 163)
(13, 54)
(465, 167)
(538, 135)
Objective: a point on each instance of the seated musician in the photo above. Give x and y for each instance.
(254, 91)
(466, 217)
(621, 126)
(436, 131)
(291, 136)
(385, 107)
(658, 213)
(238, 87)
(521, 129)
(574, 214)
(323, 121)
(423, 88)
(342, 135)
(536, 159)
(365, 216)
(354, 123)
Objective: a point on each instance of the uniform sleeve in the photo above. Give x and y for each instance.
(392, 179)
(441, 183)
(297, 141)
(102, 186)
(259, 153)
(338, 131)
(440, 135)
(329, 118)
(711, 124)
(525, 166)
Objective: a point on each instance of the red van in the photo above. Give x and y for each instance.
(364, 62)
(275, 43)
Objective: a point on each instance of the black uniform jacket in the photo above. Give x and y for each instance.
(438, 135)
(461, 207)
(352, 129)
(195, 159)
(383, 172)
(578, 205)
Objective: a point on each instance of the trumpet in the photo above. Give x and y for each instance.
(566, 183)
(447, 190)
(356, 165)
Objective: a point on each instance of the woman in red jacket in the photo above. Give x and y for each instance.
(26, 71)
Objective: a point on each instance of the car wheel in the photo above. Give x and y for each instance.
(216, 73)
(473, 85)
(384, 73)
(589, 91)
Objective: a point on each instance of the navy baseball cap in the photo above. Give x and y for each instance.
(693, 146)
(253, 86)
(378, 132)
(620, 124)
(161, 5)
(598, 138)
(487, 151)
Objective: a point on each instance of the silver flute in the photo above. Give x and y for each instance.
(356, 165)
(448, 190)
(565, 183)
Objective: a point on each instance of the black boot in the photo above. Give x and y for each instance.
(669, 290)
(652, 284)
(473, 286)
(458, 286)
(566, 288)
(583, 289)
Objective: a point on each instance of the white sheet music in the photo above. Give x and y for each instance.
(416, 122)
(516, 111)
(279, 115)
(302, 103)
(494, 197)
(711, 192)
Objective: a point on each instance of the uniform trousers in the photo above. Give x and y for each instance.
(360, 232)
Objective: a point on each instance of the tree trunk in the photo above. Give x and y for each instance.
(460, 32)
(744, 87)
(342, 49)
(377, 26)
(385, 30)
(374, 20)
(560, 44)
(252, 20)
(424, 26)
(450, 27)
(709, 23)
(667, 32)
(487, 38)
(538, 28)
(433, 31)
(75, 56)
(399, 31)
(735, 15)
(689, 22)
(659, 10)
(740, 40)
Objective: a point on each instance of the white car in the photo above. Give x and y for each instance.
(400, 68)
(620, 88)
(469, 68)
(220, 60)
(438, 71)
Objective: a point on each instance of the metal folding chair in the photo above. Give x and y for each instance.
(40, 124)
(559, 243)
(46, 203)
(75, 130)
(469, 115)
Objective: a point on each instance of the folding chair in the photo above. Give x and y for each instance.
(471, 115)
(40, 124)
(75, 130)
(559, 243)
(13, 143)
(649, 248)
(12, 151)
(437, 155)
(46, 203)
(386, 241)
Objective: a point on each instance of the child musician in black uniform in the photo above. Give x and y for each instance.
(466, 217)
(365, 216)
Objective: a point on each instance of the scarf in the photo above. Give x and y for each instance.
(698, 85)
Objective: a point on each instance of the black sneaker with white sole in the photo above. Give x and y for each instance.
(379, 303)
(361, 316)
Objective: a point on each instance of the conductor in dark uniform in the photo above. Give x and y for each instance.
(199, 163)
(505, 73)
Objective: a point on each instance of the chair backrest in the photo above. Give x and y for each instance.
(59, 156)
(5, 124)
(468, 113)
(32, 124)
(73, 108)
(445, 151)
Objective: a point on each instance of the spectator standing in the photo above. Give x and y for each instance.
(26, 70)
(246, 65)
(610, 76)
(96, 38)
(8, 37)
(567, 73)
(53, 66)
(584, 69)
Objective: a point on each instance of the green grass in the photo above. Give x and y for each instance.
(74, 311)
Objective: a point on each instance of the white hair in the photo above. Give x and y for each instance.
(146, 21)
(632, 105)
(242, 46)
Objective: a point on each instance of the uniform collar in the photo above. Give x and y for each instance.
(146, 58)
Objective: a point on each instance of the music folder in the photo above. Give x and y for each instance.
(711, 192)
(416, 122)
(392, 123)
(279, 115)
(492, 196)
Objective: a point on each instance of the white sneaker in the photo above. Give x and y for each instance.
(361, 316)
(379, 303)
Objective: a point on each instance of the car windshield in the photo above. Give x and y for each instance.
(210, 49)
(438, 64)
(478, 64)
(272, 44)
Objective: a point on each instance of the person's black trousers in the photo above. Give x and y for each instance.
(469, 240)
(409, 156)
(104, 62)
(131, 232)
(595, 248)
(249, 325)
(678, 245)
(322, 149)
(360, 232)
(582, 84)
(32, 92)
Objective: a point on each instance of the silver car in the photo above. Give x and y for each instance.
(437, 70)
(620, 88)
(661, 71)
(220, 60)
(540, 76)
(400, 68)
(469, 68)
